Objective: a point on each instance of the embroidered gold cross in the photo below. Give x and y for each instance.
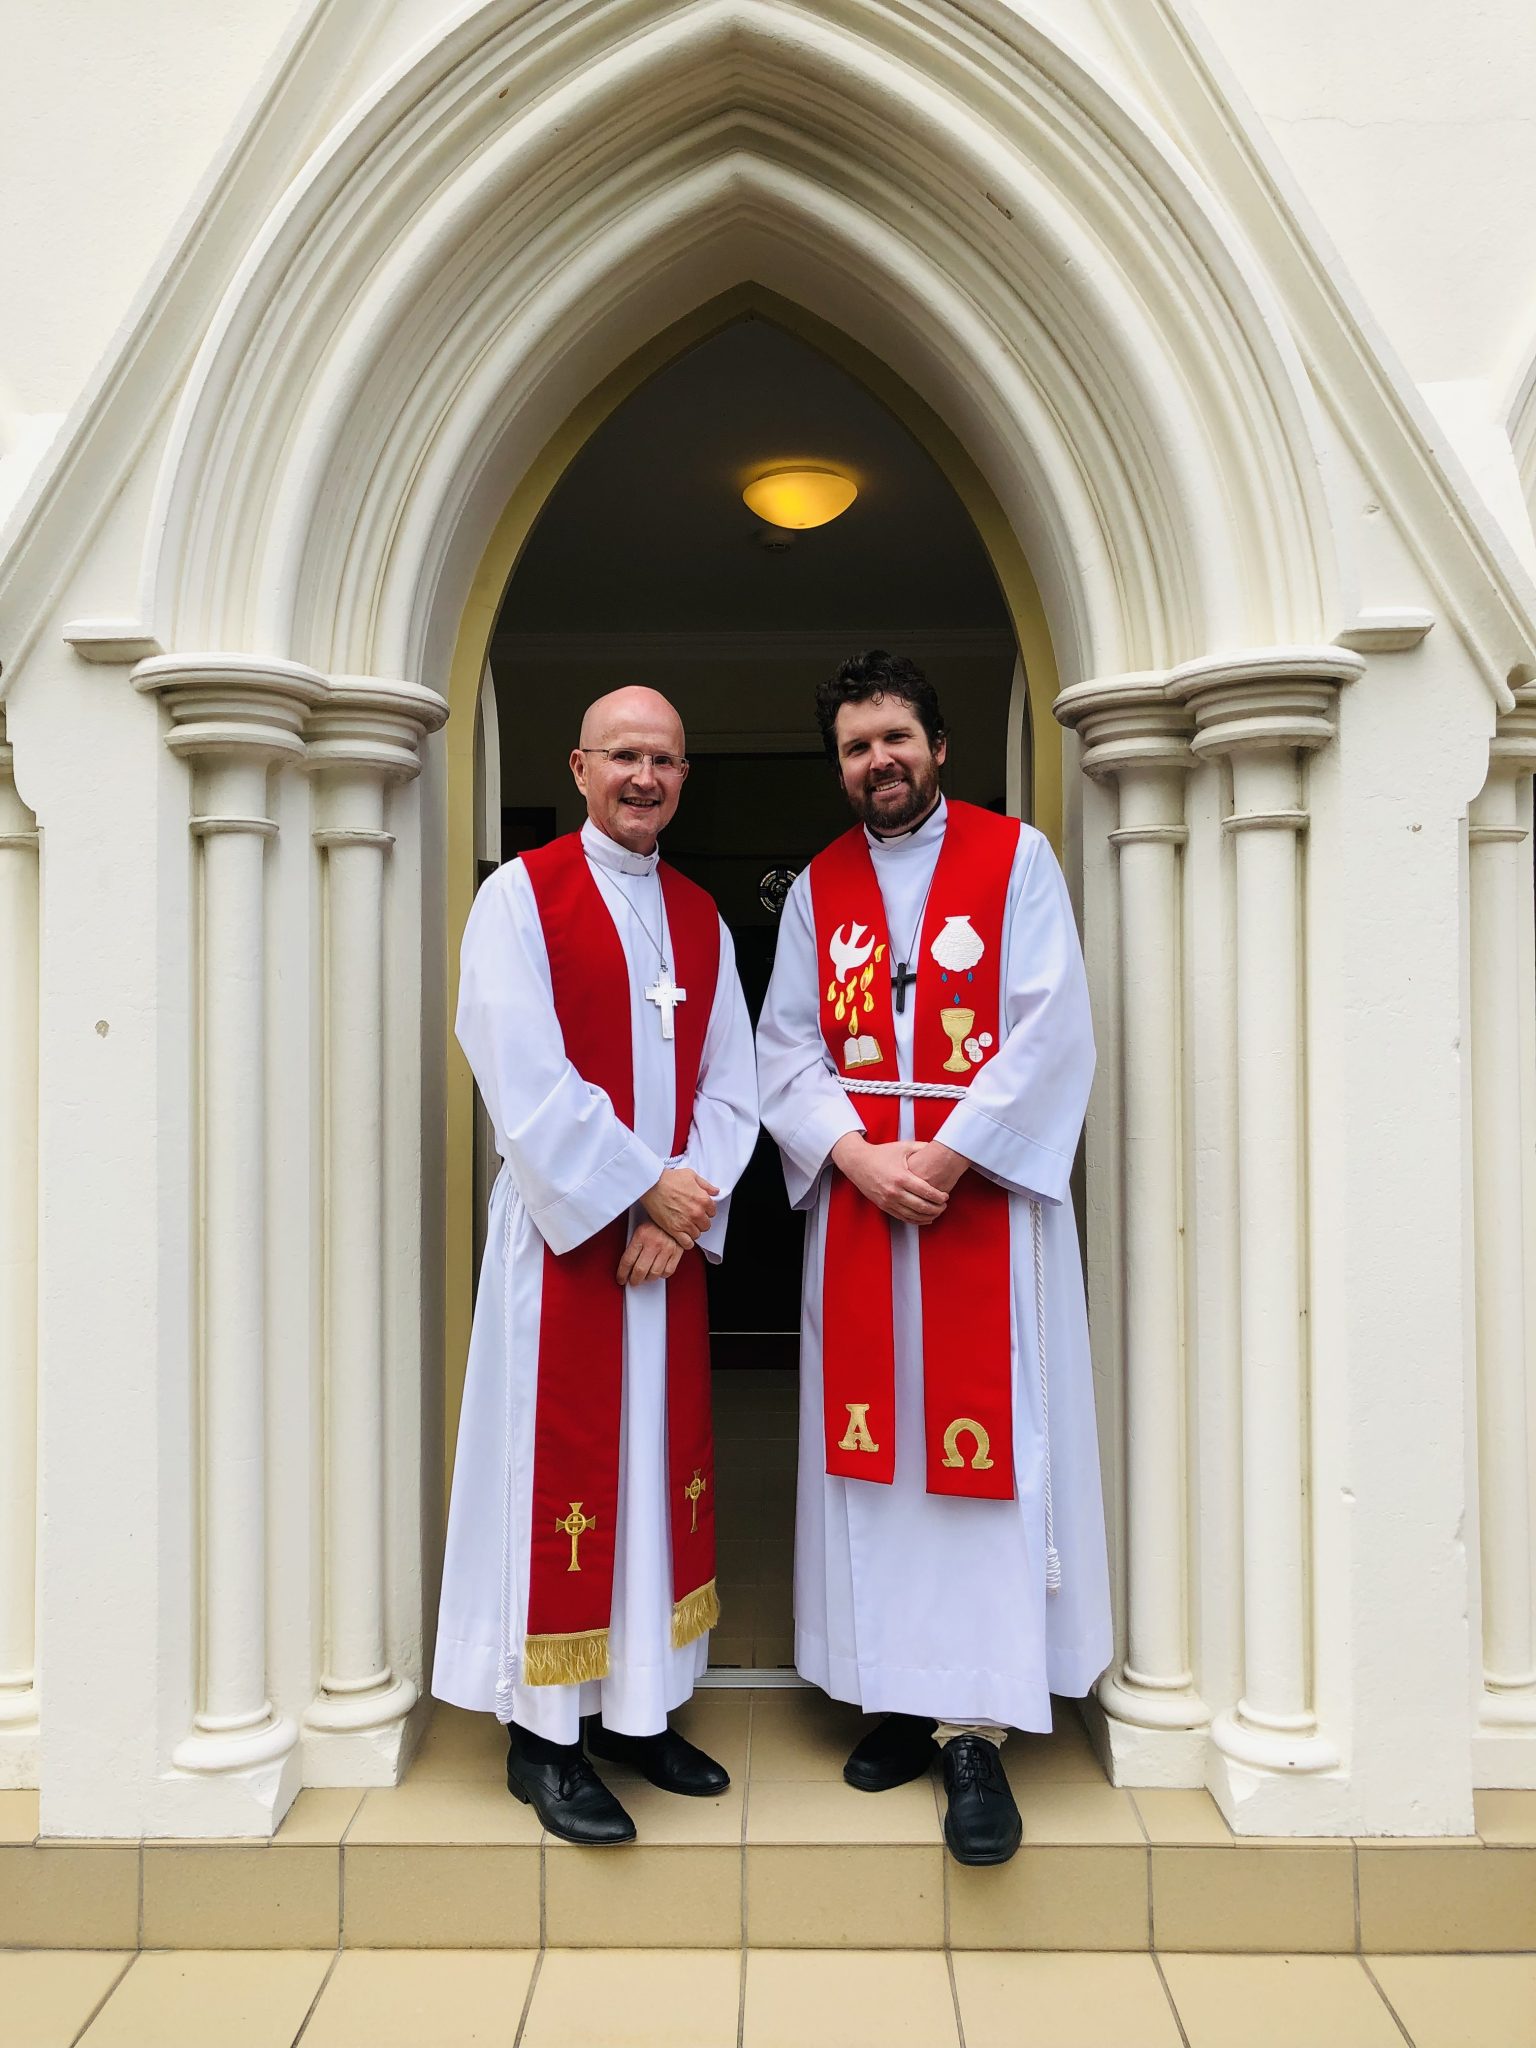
(691, 1493)
(575, 1525)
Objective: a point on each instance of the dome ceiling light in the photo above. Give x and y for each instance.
(800, 498)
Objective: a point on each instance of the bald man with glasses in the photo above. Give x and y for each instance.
(601, 1013)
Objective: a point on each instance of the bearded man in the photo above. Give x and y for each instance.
(924, 1057)
(600, 1010)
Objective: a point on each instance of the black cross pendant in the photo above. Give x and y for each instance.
(902, 978)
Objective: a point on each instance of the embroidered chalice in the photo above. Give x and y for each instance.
(957, 1025)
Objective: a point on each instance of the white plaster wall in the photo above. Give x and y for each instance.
(1410, 127)
(112, 116)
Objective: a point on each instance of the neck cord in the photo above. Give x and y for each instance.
(661, 953)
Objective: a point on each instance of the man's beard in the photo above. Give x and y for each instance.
(919, 795)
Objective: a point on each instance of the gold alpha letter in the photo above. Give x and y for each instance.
(857, 1436)
(963, 1426)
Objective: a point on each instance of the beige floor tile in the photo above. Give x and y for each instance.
(460, 1745)
(644, 1896)
(805, 2000)
(1051, 1897)
(1462, 2001)
(233, 1896)
(1065, 1757)
(1275, 1899)
(18, 1817)
(319, 1817)
(1438, 1900)
(1069, 1811)
(1183, 1819)
(47, 1997)
(1278, 2002)
(1063, 2001)
(718, 1722)
(455, 1998)
(445, 1810)
(231, 1999)
(65, 1896)
(869, 1897)
(422, 1895)
(1508, 1818)
(794, 1810)
(636, 1998)
(801, 1735)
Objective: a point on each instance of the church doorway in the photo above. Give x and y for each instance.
(646, 566)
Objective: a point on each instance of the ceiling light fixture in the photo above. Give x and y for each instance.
(800, 498)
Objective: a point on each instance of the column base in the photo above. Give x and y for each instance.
(1148, 1738)
(19, 1738)
(1275, 1781)
(234, 1782)
(1504, 1744)
(362, 1738)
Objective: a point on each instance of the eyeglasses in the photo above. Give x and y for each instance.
(631, 759)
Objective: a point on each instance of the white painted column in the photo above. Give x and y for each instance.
(365, 737)
(18, 1277)
(1500, 885)
(234, 717)
(1263, 713)
(1135, 737)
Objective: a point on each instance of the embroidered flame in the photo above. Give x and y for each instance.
(850, 998)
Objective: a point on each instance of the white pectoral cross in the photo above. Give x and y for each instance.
(666, 995)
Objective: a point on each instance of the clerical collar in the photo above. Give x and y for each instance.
(920, 834)
(618, 860)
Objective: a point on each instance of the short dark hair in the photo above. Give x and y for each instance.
(877, 674)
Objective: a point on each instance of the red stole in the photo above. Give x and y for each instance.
(964, 1259)
(581, 1318)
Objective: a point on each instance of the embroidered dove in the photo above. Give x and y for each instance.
(848, 955)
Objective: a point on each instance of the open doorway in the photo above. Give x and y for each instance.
(645, 566)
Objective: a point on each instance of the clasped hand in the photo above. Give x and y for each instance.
(681, 1208)
(907, 1181)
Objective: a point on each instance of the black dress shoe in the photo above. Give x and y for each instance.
(555, 1779)
(666, 1759)
(982, 1824)
(894, 1752)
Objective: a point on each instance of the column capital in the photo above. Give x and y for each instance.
(372, 724)
(232, 706)
(1513, 747)
(1127, 722)
(1269, 699)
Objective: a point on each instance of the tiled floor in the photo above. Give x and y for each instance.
(709, 1998)
(756, 1413)
(789, 1858)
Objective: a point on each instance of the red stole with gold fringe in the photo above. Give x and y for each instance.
(964, 1259)
(581, 1318)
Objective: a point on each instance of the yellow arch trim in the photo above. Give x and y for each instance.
(497, 564)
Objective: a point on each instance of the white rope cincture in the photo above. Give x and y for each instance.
(506, 1674)
(915, 1091)
(1052, 1557)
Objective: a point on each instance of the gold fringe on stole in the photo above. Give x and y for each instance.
(567, 1660)
(694, 1614)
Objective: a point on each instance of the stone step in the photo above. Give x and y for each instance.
(790, 1858)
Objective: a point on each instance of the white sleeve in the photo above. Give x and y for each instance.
(1023, 1113)
(724, 1126)
(804, 1110)
(573, 1161)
